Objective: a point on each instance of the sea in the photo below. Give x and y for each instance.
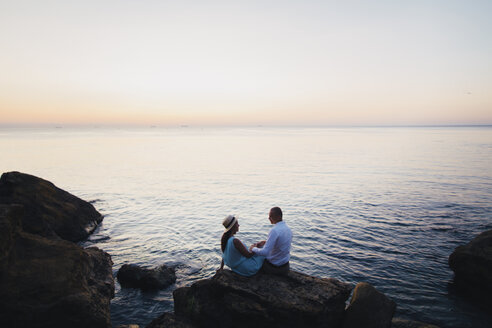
(383, 205)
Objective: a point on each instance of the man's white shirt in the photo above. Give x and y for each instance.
(277, 246)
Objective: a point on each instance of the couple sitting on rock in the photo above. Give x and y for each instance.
(270, 256)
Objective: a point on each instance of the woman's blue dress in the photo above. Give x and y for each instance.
(239, 263)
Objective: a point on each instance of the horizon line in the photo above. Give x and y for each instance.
(116, 125)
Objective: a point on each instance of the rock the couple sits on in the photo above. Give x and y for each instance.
(270, 256)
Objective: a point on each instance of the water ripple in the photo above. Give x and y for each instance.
(386, 206)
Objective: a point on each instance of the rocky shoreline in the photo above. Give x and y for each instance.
(298, 300)
(472, 266)
(47, 280)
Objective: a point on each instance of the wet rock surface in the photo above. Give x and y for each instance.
(230, 300)
(472, 265)
(400, 323)
(48, 210)
(169, 320)
(134, 276)
(369, 308)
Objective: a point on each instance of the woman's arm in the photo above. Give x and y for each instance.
(221, 265)
(241, 248)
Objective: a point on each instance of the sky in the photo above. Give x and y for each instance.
(149, 62)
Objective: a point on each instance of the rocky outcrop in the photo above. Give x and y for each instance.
(133, 276)
(230, 300)
(472, 264)
(49, 210)
(400, 323)
(369, 308)
(46, 280)
(169, 320)
(50, 282)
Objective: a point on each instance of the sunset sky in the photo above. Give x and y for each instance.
(245, 62)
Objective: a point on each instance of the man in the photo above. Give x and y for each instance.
(276, 248)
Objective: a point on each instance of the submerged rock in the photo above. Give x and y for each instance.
(230, 300)
(169, 320)
(131, 275)
(369, 308)
(472, 264)
(400, 323)
(50, 282)
(49, 210)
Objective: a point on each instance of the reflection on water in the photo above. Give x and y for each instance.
(382, 205)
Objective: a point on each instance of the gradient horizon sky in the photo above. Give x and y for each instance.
(246, 62)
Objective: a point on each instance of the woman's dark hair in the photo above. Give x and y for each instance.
(225, 238)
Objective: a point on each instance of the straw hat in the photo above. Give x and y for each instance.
(229, 222)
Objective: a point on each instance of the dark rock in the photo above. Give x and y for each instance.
(472, 264)
(169, 320)
(230, 300)
(400, 323)
(369, 308)
(49, 210)
(133, 276)
(50, 282)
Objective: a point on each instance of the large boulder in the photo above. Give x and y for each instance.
(49, 210)
(230, 300)
(133, 276)
(50, 282)
(369, 308)
(472, 264)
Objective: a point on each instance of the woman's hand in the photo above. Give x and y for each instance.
(221, 266)
(259, 245)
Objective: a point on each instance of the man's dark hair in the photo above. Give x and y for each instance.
(276, 213)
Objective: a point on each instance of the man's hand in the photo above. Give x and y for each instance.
(259, 245)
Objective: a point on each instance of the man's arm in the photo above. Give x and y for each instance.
(265, 250)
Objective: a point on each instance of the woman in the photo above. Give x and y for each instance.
(235, 255)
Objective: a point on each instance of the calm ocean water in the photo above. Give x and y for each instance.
(381, 205)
